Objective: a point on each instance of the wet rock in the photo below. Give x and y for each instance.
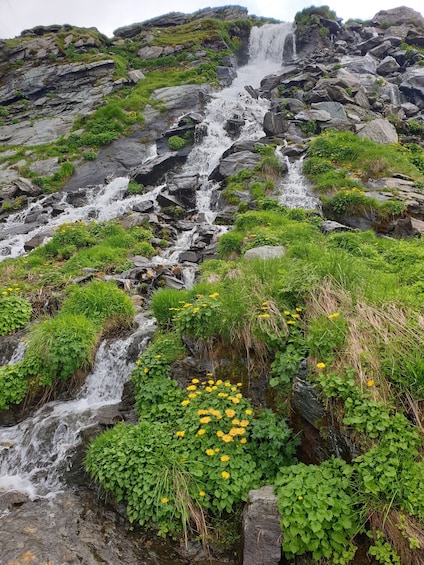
(35, 241)
(387, 66)
(234, 163)
(154, 171)
(189, 256)
(262, 537)
(275, 123)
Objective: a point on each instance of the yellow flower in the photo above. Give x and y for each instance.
(236, 400)
(300, 497)
(233, 389)
(202, 493)
(201, 432)
(321, 365)
(298, 309)
(224, 458)
(222, 395)
(287, 313)
(219, 382)
(217, 450)
(225, 475)
(205, 420)
(192, 387)
(239, 395)
(180, 434)
(192, 395)
(265, 303)
(138, 362)
(291, 322)
(227, 438)
(146, 370)
(214, 295)
(187, 305)
(335, 315)
(248, 412)
(195, 310)
(220, 433)
(210, 452)
(244, 423)
(195, 381)
(239, 384)
(164, 500)
(235, 422)
(230, 413)
(234, 432)
(264, 316)
(208, 389)
(370, 382)
(185, 402)
(158, 356)
(296, 316)
(4, 292)
(209, 374)
(243, 440)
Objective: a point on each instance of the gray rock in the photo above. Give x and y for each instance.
(413, 85)
(135, 75)
(381, 49)
(148, 52)
(189, 256)
(398, 16)
(388, 65)
(275, 124)
(265, 252)
(335, 109)
(317, 115)
(262, 537)
(410, 109)
(330, 226)
(235, 163)
(144, 206)
(380, 131)
(154, 171)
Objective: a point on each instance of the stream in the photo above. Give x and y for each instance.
(44, 519)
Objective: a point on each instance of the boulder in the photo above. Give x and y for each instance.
(265, 252)
(398, 16)
(387, 66)
(379, 130)
(275, 124)
(262, 537)
(234, 163)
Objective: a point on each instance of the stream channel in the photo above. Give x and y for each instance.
(47, 515)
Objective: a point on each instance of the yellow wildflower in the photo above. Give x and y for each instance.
(164, 500)
(224, 458)
(243, 440)
(158, 356)
(230, 413)
(192, 387)
(300, 497)
(202, 493)
(208, 389)
(180, 433)
(239, 395)
(298, 309)
(235, 422)
(248, 412)
(264, 316)
(209, 374)
(239, 384)
(185, 402)
(146, 370)
(225, 475)
(222, 395)
(236, 400)
(192, 395)
(214, 295)
(321, 365)
(210, 452)
(296, 316)
(205, 420)
(219, 382)
(334, 315)
(195, 310)
(244, 423)
(370, 382)
(227, 438)
(291, 322)
(138, 362)
(195, 381)
(201, 432)
(220, 433)
(287, 313)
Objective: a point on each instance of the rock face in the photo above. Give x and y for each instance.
(262, 536)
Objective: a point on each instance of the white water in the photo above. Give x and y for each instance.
(35, 453)
(294, 190)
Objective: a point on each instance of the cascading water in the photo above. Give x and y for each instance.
(294, 190)
(34, 454)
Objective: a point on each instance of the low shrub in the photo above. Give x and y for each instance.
(15, 312)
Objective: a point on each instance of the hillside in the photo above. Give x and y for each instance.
(211, 282)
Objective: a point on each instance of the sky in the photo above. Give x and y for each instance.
(108, 15)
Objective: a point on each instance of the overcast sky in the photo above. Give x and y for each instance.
(108, 15)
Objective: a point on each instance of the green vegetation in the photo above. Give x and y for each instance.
(15, 312)
(345, 302)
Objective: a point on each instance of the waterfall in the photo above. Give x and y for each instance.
(34, 454)
(294, 189)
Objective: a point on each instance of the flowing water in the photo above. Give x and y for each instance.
(35, 454)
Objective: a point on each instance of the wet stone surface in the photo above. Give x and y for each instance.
(77, 529)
